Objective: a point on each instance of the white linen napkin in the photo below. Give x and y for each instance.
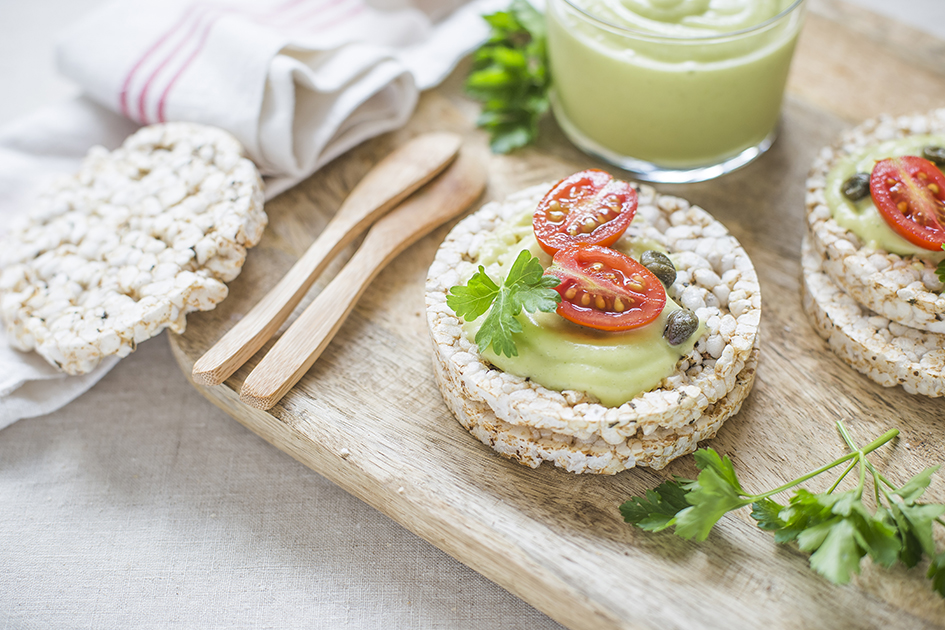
(298, 82)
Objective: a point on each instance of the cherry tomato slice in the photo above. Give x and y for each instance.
(605, 289)
(909, 193)
(590, 207)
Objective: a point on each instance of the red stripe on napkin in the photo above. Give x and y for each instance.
(202, 10)
(123, 94)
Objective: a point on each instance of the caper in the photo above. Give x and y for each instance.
(659, 265)
(856, 187)
(935, 155)
(679, 326)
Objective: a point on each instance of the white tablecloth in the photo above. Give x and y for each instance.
(141, 505)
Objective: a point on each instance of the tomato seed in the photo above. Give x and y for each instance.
(619, 305)
(589, 225)
(585, 299)
(596, 266)
(903, 206)
(570, 293)
(923, 175)
(600, 303)
(935, 189)
(555, 217)
(890, 181)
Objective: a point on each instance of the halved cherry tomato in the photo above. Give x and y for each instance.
(909, 193)
(590, 207)
(605, 289)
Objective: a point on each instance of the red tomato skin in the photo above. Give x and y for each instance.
(917, 183)
(640, 291)
(579, 197)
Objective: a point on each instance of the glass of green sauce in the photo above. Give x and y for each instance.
(672, 90)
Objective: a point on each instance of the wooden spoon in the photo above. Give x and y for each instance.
(295, 352)
(391, 181)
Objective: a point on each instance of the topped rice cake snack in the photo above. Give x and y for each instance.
(129, 245)
(876, 216)
(609, 343)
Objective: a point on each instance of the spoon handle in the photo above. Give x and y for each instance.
(300, 346)
(388, 183)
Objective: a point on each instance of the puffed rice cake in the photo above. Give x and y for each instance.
(904, 289)
(130, 244)
(530, 424)
(886, 351)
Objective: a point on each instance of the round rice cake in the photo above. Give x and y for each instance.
(530, 423)
(904, 289)
(886, 351)
(130, 244)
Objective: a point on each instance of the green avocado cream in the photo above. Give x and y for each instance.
(861, 217)
(678, 83)
(561, 355)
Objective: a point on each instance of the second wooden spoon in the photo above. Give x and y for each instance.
(295, 352)
(391, 181)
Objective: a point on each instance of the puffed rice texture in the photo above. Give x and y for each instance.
(715, 278)
(887, 352)
(904, 289)
(130, 244)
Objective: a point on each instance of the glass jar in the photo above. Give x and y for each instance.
(670, 98)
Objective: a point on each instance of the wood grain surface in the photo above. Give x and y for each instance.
(368, 416)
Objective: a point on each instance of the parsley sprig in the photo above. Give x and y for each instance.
(525, 286)
(510, 77)
(836, 528)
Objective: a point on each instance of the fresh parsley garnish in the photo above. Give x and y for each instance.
(510, 77)
(525, 287)
(836, 528)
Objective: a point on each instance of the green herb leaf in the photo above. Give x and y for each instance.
(510, 76)
(836, 554)
(525, 286)
(913, 489)
(708, 458)
(767, 513)
(936, 573)
(804, 511)
(657, 510)
(714, 492)
(915, 528)
(837, 529)
(474, 299)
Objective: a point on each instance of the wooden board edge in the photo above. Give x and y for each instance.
(530, 582)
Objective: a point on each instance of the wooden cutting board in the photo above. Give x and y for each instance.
(369, 417)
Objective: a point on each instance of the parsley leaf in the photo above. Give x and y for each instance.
(474, 299)
(768, 514)
(658, 509)
(915, 528)
(936, 573)
(714, 492)
(525, 286)
(510, 77)
(836, 552)
(836, 528)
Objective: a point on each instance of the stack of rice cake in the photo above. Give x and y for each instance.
(880, 312)
(530, 424)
